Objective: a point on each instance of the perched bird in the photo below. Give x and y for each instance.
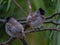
(36, 19)
(15, 29)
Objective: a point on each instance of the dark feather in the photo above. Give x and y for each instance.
(8, 18)
(42, 12)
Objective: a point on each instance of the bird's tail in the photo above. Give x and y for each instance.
(24, 42)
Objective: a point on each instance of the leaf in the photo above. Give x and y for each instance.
(8, 5)
(1, 1)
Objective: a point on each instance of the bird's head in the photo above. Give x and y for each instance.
(42, 12)
(8, 18)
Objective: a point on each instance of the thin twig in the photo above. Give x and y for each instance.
(53, 22)
(20, 7)
(8, 41)
(53, 16)
(2, 20)
(45, 29)
(30, 7)
(22, 21)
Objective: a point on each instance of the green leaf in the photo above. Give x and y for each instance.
(8, 5)
(1, 1)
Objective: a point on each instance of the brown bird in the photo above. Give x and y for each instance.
(15, 29)
(37, 19)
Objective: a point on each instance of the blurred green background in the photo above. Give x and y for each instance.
(9, 8)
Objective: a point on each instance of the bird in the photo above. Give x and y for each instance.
(36, 19)
(15, 29)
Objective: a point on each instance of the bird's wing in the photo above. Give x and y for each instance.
(9, 29)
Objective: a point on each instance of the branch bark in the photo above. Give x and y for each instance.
(8, 41)
(52, 16)
(45, 29)
(53, 22)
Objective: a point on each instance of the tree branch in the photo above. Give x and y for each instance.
(53, 22)
(30, 7)
(45, 29)
(2, 20)
(52, 16)
(22, 21)
(8, 41)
